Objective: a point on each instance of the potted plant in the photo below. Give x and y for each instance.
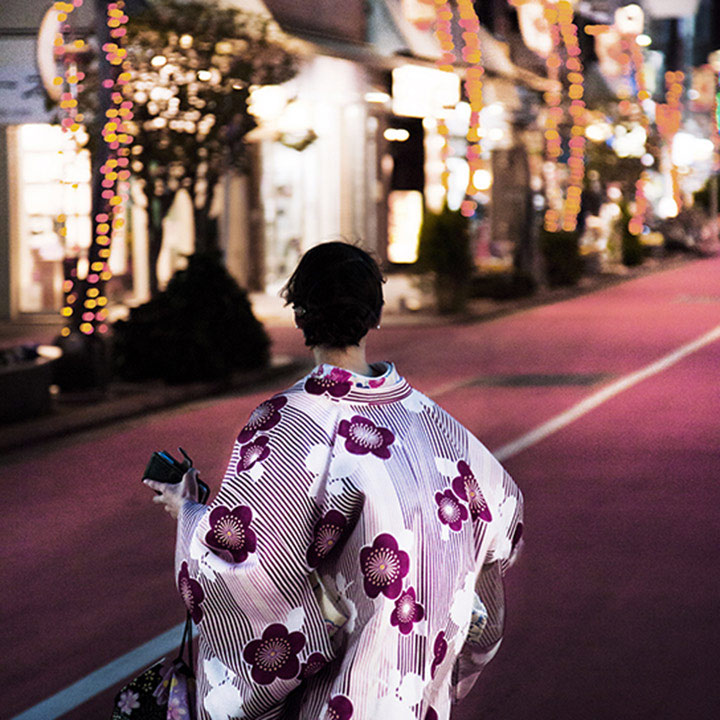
(561, 253)
(444, 251)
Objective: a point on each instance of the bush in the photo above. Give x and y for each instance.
(702, 198)
(444, 246)
(503, 286)
(444, 251)
(563, 264)
(200, 328)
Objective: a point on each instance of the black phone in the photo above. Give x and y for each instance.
(163, 467)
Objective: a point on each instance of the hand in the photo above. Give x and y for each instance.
(174, 495)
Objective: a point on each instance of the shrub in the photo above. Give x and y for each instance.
(563, 264)
(444, 246)
(200, 328)
(444, 250)
(702, 197)
(504, 286)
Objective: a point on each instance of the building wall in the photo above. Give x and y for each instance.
(5, 303)
(327, 17)
(27, 14)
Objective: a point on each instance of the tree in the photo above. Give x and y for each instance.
(192, 65)
(191, 68)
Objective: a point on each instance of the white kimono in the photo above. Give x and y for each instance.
(351, 564)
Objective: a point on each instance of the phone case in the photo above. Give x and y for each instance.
(163, 467)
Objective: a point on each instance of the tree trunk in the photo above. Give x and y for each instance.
(158, 208)
(206, 228)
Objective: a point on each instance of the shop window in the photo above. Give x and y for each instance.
(54, 212)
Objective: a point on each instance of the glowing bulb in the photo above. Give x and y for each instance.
(396, 135)
(158, 61)
(643, 40)
(482, 179)
(376, 97)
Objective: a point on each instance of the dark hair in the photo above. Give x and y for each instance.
(336, 292)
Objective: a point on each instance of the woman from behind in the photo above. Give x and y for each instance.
(350, 567)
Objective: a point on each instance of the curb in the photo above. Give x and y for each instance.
(85, 412)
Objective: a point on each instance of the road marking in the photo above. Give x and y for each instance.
(596, 399)
(133, 662)
(128, 665)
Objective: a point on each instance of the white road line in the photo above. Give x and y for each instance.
(132, 663)
(596, 399)
(105, 677)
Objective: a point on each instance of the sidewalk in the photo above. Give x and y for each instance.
(80, 411)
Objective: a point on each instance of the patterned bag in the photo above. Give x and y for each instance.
(158, 694)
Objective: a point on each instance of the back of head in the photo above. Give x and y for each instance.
(336, 292)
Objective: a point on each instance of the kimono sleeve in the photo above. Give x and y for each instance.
(252, 553)
(504, 530)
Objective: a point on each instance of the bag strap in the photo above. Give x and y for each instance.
(187, 641)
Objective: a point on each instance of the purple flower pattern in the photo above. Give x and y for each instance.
(264, 417)
(230, 535)
(191, 592)
(406, 612)
(439, 651)
(253, 452)
(339, 708)
(384, 566)
(275, 654)
(467, 487)
(336, 383)
(128, 701)
(364, 437)
(450, 510)
(313, 665)
(326, 535)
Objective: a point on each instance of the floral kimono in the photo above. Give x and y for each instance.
(350, 567)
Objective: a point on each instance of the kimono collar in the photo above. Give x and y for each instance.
(341, 384)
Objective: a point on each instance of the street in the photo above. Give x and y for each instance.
(613, 607)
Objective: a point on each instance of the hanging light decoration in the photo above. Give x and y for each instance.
(576, 162)
(443, 32)
(560, 19)
(85, 301)
(472, 54)
(553, 117)
(68, 81)
(637, 221)
(668, 117)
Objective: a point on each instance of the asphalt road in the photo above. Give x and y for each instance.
(613, 609)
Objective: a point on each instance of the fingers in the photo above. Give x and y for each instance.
(154, 484)
(190, 484)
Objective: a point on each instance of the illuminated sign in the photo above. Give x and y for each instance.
(423, 92)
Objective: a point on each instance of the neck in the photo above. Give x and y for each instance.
(350, 358)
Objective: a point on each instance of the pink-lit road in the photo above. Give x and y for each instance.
(614, 607)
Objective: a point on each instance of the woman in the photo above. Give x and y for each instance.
(351, 564)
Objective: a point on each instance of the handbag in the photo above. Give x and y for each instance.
(160, 693)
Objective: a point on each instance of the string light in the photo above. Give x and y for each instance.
(472, 54)
(115, 171)
(668, 117)
(70, 78)
(637, 221)
(443, 33)
(553, 116)
(576, 161)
